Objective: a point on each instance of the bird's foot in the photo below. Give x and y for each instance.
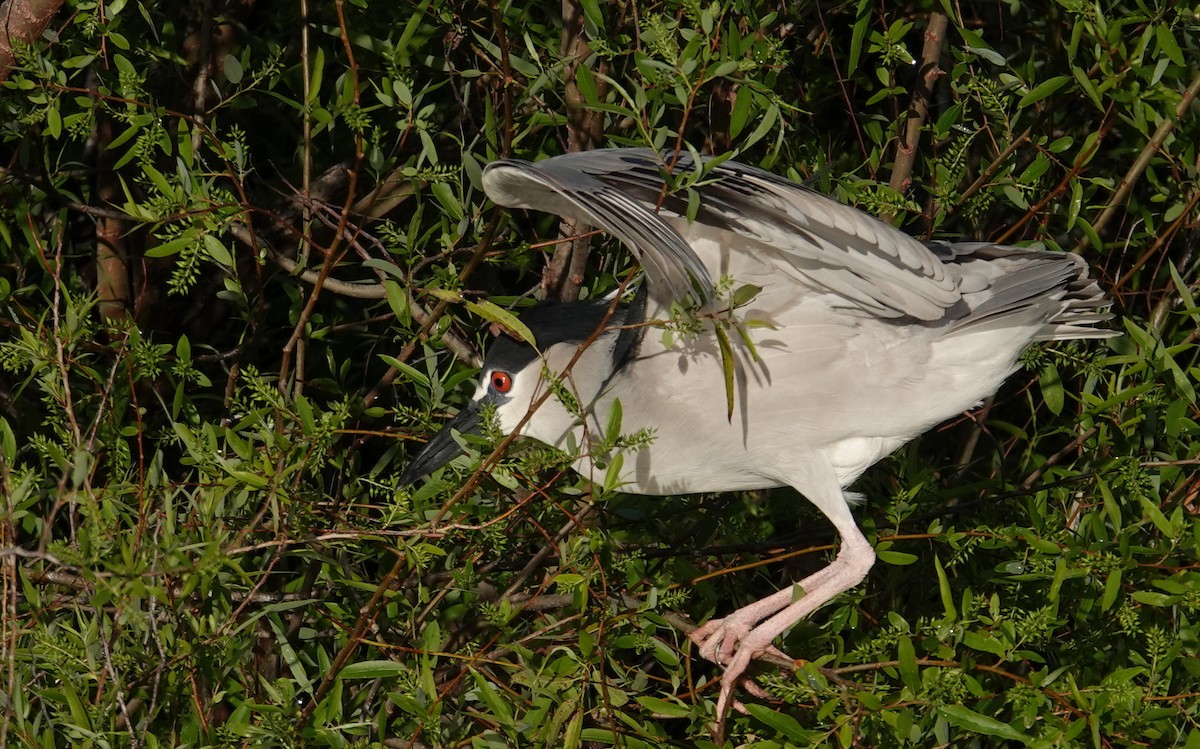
(727, 701)
(732, 644)
(721, 640)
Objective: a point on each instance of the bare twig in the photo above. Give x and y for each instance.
(585, 130)
(334, 251)
(1143, 159)
(927, 75)
(1057, 457)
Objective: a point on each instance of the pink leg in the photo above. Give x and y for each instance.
(753, 628)
(720, 637)
(853, 562)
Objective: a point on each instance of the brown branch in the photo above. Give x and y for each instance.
(585, 130)
(21, 22)
(1106, 126)
(918, 110)
(1143, 159)
(334, 251)
(112, 267)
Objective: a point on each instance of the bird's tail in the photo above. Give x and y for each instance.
(1005, 287)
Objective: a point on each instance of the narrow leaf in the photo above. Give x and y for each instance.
(727, 368)
(965, 717)
(497, 705)
(408, 370)
(907, 657)
(1052, 388)
(862, 21)
(493, 313)
(1042, 90)
(785, 725)
(372, 670)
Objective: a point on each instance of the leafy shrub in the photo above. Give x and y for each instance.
(236, 241)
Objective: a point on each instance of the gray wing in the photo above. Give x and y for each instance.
(569, 186)
(802, 234)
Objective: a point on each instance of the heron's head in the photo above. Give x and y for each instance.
(544, 391)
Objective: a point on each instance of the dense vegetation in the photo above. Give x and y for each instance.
(244, 250)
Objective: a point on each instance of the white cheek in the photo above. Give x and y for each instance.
(524, 391)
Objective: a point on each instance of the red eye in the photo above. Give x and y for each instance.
(501, 381)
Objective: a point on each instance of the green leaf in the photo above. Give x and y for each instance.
(1075, 204)
(216, 250)
(586, 82)
(591, 10)
(409, 371)
(1167, 44)
(232, 68)
(1042, 90)
(53, 122)
(727, 367)
(725, 69)
(396, 299)
(159, 180)
(862, 23)
(896, 558)
(745, 294)
(764, 126)
(1150, 598)
(497, 705)
(977, 46)
(1112, 589)
(743, 101)
(906, 655)
(373, 670)
(1052, 388)
(573, 736)
(1158, 518)
(492, 313)
(612, 429)
(785, 725)
(944, 590)
(315, 71)
(171, 247)
(964, 717)
(983, 642)
(665, 707)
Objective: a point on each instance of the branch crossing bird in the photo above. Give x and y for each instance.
(871, 338)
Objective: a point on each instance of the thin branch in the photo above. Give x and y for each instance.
(563, 276)
(927, 75)
(1057, 457)
(1143, 159)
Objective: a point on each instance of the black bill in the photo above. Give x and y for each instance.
(442, 447)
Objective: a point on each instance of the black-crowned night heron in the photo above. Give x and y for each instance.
(873, 338)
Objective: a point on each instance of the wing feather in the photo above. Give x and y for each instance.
(559, 186)
(800, 233)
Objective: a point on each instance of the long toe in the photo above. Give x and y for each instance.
(734, 675)
(720, 640)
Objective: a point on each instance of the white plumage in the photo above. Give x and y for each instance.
(875, 337)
